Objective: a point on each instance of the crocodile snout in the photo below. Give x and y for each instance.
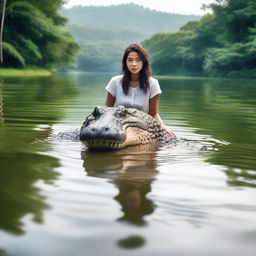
(105, 132)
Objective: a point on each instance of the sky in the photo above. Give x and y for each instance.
(172, 6)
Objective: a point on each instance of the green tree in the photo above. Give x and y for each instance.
(220, 44)
(234, 60)
(236, 55)
(236, 17)
(33, 35)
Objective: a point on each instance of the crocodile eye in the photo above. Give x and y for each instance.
(97, 111)
(89, 119)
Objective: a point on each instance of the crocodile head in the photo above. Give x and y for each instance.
(119, 127)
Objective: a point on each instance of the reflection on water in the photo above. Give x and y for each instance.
(225, 109)
(1, 103)
(132, 198)
(132, 171)
(62, 200)
(19, 195)
(25, 103)
(240, 164)
(131, 242)
(34, 101)
(3, 253)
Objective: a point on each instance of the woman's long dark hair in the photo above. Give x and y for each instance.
(145, 72)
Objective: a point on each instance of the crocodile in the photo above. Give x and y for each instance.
(110, 128)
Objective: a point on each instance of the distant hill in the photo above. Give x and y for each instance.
(104, 31)
(126, 17)
(87, 35)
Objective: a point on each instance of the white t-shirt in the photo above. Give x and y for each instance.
(135, 98)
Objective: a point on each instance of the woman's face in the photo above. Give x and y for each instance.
(134, 63)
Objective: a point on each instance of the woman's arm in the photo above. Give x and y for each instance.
(153, 111)
(110, 100)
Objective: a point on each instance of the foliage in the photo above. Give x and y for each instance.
(100, 57)
(220, 44)
(33, 35)
(232, 60)
(13, 55)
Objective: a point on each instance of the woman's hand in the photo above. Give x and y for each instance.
(153, 111)
(169, 131)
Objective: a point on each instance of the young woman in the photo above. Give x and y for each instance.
(136, 88)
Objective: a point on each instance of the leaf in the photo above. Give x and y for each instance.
(12, 51)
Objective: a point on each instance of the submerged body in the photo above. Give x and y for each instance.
(119, 127)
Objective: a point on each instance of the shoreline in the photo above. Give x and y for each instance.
(6, 72)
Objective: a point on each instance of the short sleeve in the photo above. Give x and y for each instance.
(155, 88)
(111, 87)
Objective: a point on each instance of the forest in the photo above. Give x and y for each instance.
(33, 35)
(42, 34)
(221, 44)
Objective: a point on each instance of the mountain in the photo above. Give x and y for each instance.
(126, 17)
(87, 35)
(103, 32)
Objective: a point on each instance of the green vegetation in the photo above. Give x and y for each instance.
(103, 32)
(101, 49)
(33, 35)
(220, 44)
(4, 72)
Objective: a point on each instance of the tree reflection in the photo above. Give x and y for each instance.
(19, 195)
(225, 110)
(36, 100)
(4, 253)
(239, 162)
(1, 103)
(26, 103)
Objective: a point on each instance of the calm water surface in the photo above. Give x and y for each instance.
(58, 199)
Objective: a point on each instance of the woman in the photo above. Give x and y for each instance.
(136, 88)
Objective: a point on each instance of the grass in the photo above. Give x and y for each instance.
(4, 72)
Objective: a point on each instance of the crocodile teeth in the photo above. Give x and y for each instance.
(104, 143)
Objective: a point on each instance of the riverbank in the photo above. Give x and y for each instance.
(4, 72)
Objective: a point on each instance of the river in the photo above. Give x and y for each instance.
(58, 199)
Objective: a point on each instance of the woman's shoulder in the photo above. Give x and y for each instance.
(154, 87)
(117, 78)
(153, 81)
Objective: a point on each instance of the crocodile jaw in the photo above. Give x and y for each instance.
(134, 136)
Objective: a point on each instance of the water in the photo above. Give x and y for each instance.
(58, 199)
